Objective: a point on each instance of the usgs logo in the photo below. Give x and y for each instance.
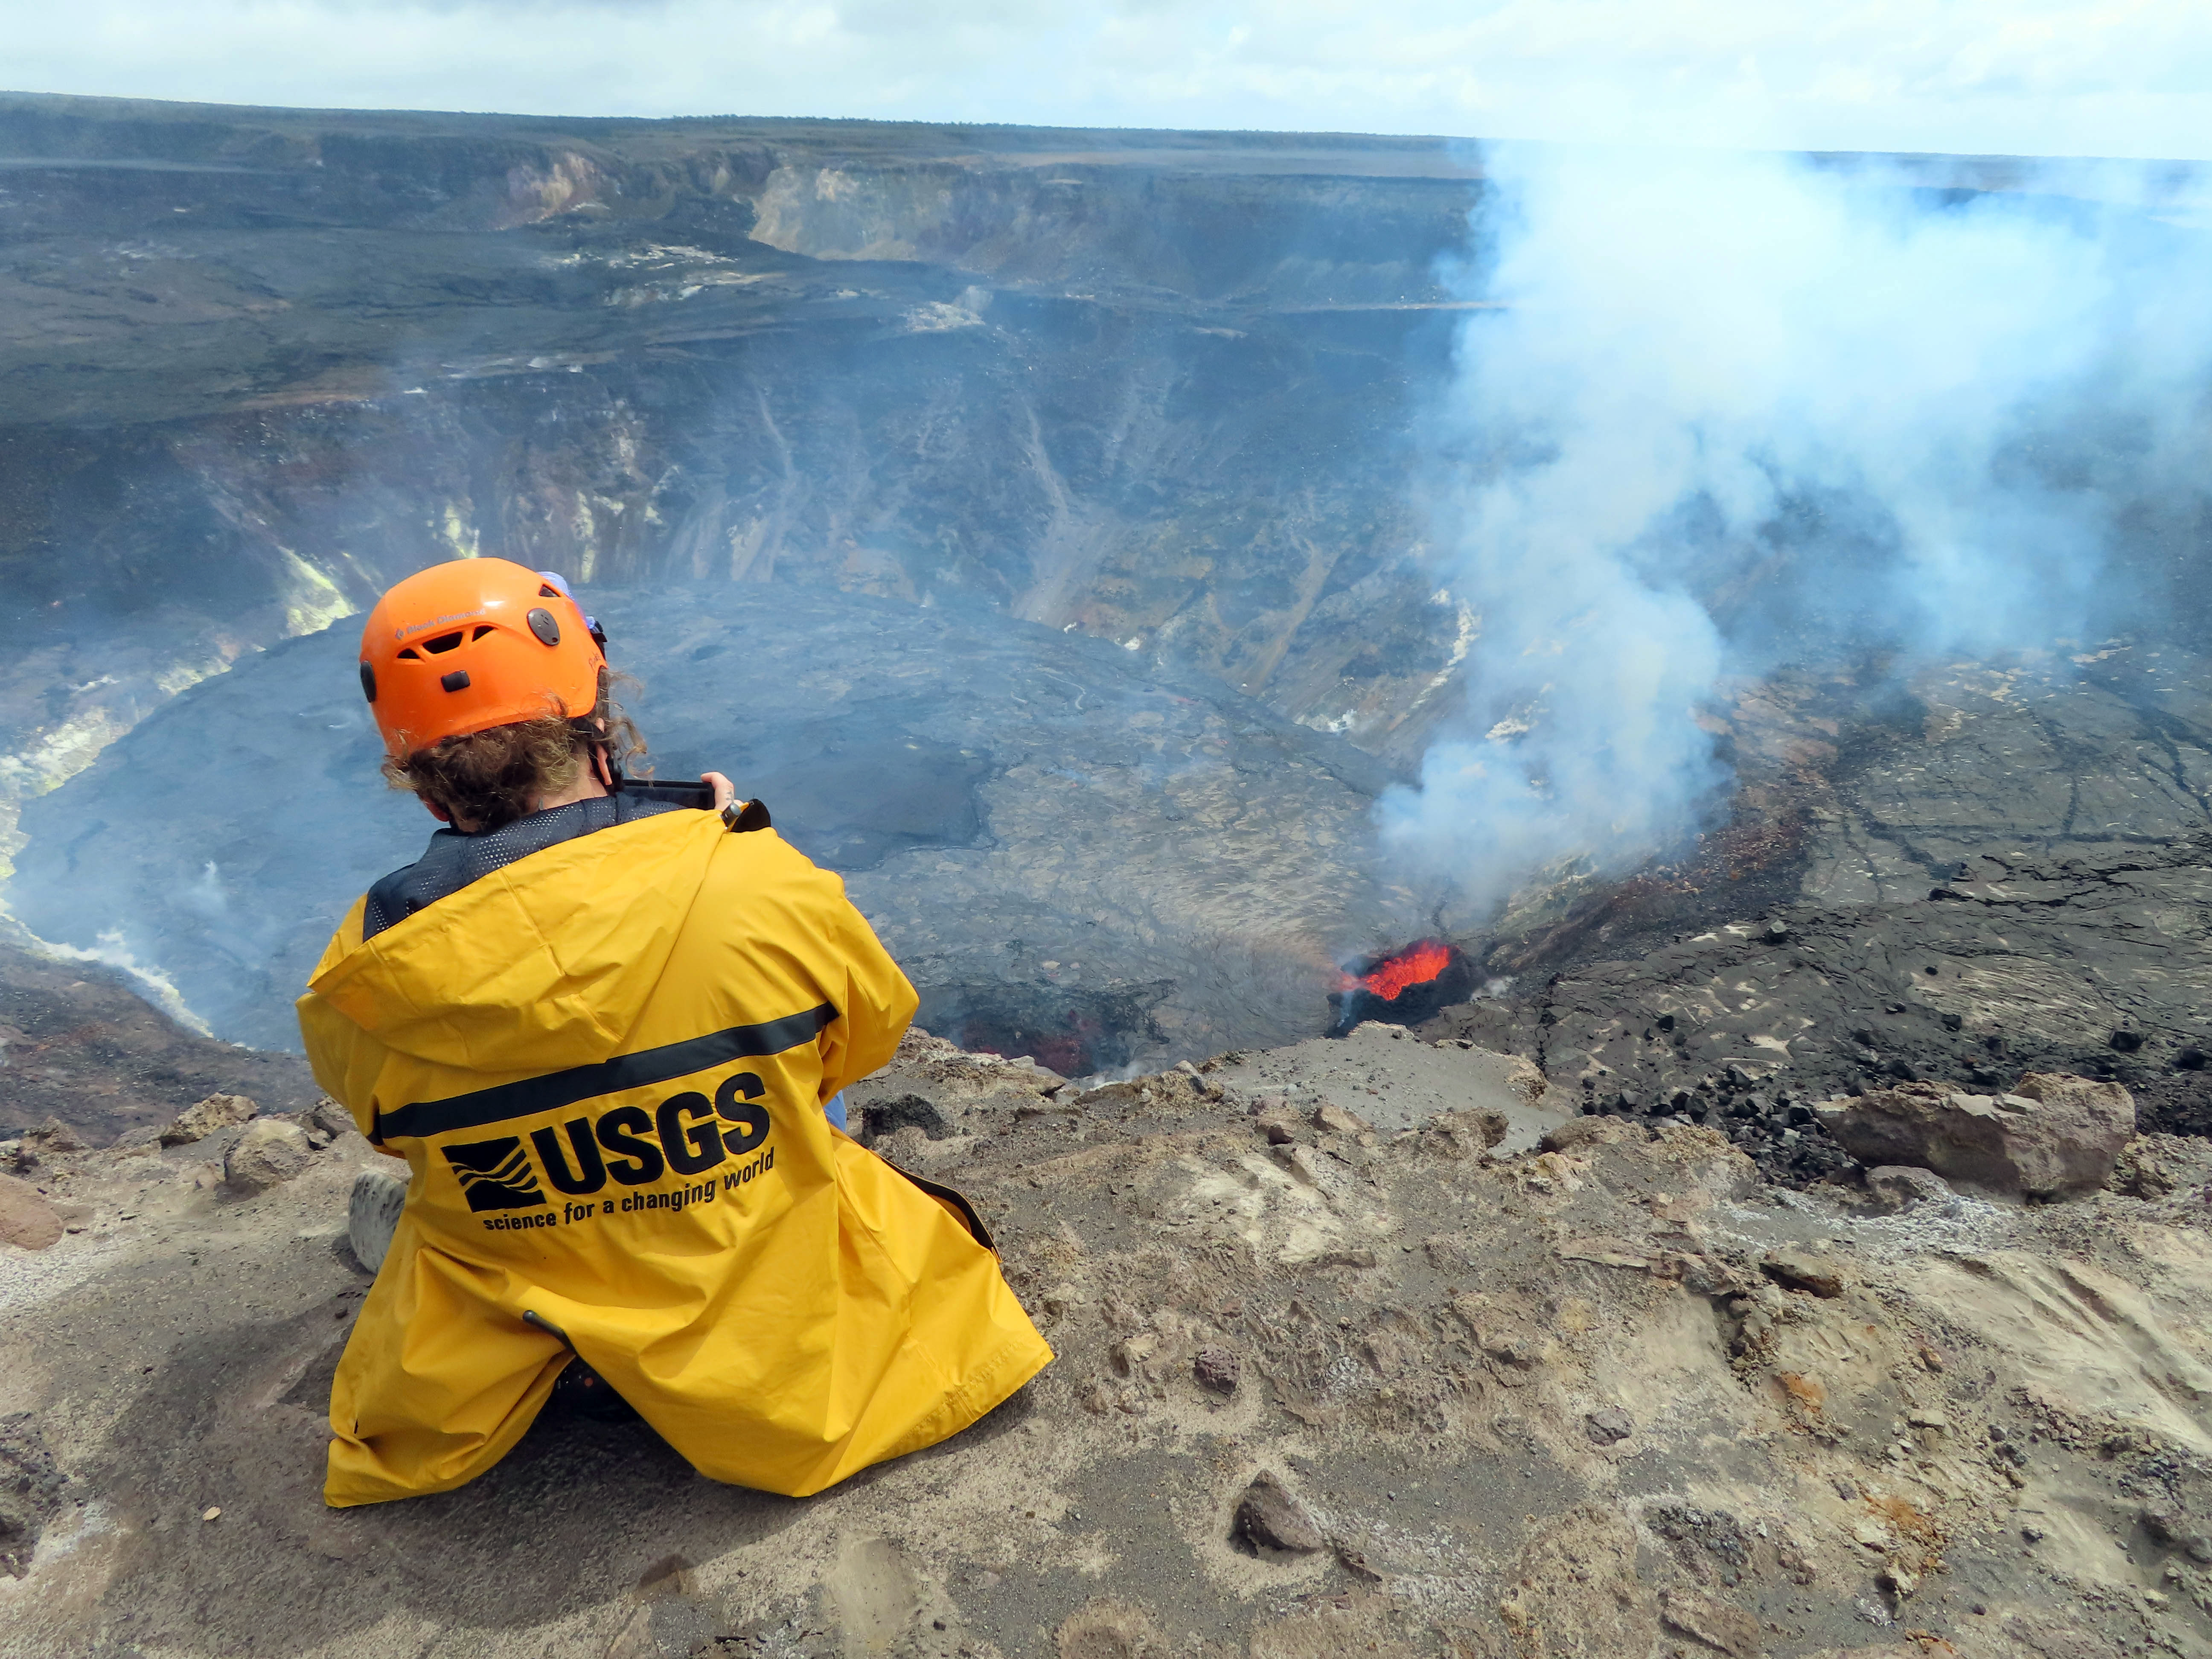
(688, 1135)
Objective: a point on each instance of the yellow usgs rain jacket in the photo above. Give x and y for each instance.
(606, 1066)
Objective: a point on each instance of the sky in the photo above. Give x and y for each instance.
(2051, 77)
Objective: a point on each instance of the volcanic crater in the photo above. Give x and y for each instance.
(1027, 518)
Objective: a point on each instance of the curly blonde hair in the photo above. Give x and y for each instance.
(489, 779)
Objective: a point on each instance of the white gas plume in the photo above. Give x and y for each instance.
(1727, 411)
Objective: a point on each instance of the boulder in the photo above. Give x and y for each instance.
(203, 1118)
(1217, 1369)
(27, 1220)
(1806, 1271)
(2157, 1166)
(1609, 1426)
(2107, 1104)
(1336, 1121)
(267, 1154)
(53, 1136)
(2054, 1137)
(1896, 1187)
(1578, 1133)
(1463, 1135)
(372, 1215)
(1268, 1518)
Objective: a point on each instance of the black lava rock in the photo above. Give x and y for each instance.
(1218, 1369)
(1269, 1518)
(1608, 1427)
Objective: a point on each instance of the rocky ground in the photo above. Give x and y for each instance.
(1959, 875)
(80, 1047)
(1339, 1372)
(2094, 965)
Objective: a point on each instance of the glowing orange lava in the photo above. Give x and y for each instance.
(1415, 965)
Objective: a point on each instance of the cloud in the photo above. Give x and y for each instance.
(2019, 76)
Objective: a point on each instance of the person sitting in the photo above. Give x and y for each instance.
(601, 1030)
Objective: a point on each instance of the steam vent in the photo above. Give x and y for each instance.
(1565, 964)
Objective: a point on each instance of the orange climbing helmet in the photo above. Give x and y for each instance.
(463, 647)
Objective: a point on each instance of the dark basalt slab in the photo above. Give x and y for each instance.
(1071, 857)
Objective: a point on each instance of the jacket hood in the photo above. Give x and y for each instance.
(541, 965)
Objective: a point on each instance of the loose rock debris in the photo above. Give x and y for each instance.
(1217, 1369)
(2037, 965)
(32, 1490)
(27, 1220)
(264, 1155)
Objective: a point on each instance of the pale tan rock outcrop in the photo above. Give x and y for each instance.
(266, 1155)
(203, 1118)
(2053, 1136)
(27, 1220)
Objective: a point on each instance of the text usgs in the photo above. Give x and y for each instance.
(686, 1134)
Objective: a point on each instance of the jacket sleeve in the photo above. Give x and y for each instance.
(345, 1060)
(875, 1003)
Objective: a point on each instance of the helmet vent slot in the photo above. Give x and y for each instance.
(443, 642)
(410, 655)
(482, 628)
(547, 591)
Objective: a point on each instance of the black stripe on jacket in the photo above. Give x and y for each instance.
(422, 1119)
